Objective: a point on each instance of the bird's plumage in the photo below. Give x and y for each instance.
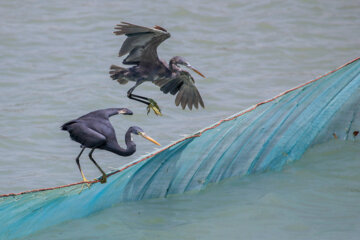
(182, 85)
(82, 133)
(94, 130)
(141, 43)
(141, 46)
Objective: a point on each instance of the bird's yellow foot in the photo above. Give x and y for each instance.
(154, 106)
(87, 184)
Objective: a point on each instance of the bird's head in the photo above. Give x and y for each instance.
(181, 61)
(138, 131)
(125, 111)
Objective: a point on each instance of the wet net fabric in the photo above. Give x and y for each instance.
(263, 137)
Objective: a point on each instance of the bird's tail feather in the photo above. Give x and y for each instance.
(66, 125)
(117, 72)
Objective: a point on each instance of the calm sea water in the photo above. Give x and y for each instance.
(54, 66)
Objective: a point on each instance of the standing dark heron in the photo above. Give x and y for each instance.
(141, 46)
(95, 131)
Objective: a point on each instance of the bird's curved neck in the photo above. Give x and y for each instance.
(130, 146)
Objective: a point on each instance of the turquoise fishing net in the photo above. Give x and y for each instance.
(263, 137)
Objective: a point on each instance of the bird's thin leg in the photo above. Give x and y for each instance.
(137, 97)
(78, 163)
(104, 177)
(148, 101)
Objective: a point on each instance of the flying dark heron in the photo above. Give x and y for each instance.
(141, 46)
(95, 131)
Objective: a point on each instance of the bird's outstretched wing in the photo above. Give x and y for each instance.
(141, 43)
(184, 85)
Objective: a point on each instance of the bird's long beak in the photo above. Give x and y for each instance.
(148, 138)
(195, 70)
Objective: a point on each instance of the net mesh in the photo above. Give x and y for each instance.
(263, 137)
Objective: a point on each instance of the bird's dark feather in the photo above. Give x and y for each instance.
(172, 86)
(86, 136)
(183, 85)
(65, 126)
(94, 130)
(141, 43)
(134, 56)
(117, 73)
